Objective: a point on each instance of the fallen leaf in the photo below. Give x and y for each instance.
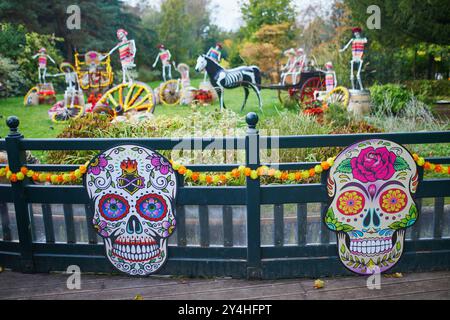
(319, 284)
(394, 275)
(139, 297)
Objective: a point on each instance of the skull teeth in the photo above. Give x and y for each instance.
(371, 246)
(136, 253)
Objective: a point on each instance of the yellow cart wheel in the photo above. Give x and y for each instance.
(170, 93)
(66, 114)
(26, 99)
(338, 95)
(128, 96)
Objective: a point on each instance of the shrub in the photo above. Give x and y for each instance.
(429, 90)
(11, 79)
(389, 98)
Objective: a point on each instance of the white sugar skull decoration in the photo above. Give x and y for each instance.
(133, 190)
(371, 186)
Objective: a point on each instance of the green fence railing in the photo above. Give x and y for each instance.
(253, 231)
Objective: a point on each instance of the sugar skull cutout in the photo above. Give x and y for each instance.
(371, 186)
(133, 190)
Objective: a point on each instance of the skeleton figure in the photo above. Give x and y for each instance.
(290, 66)
(165, 56)
(71, 77)
(330, 77)
(127, 52)
(215, 54)
(42, 57)
(371, 186)
(358, 44)
(133, 190)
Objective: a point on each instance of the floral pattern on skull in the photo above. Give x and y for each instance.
(133, 190)
(371, 186)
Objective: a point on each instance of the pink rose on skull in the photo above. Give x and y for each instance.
(373, 164)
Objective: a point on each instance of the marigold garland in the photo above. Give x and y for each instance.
(197, 177)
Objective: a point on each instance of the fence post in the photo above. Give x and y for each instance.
(254, 270)
(16, 159)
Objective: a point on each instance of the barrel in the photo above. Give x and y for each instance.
(360, 102)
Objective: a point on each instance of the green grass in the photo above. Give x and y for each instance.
(35, 123)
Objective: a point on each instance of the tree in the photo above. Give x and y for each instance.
(257, 13)
(406, 21)
(173, 29)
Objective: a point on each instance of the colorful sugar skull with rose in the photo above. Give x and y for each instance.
(371, 186)
(133, 190)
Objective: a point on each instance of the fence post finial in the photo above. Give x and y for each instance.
(13, 124)
(252, 120)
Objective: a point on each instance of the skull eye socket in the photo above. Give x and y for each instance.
(114, 207)
(351, 203)
(393, 201)
(152, 207)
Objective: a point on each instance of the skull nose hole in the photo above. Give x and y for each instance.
(134, 226)
(371, 217)
(367, 219)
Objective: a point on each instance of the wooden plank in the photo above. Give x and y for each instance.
(70, 225)
(278, 225)
(181, 226)
(204, 226)
(227, 216)
(92, 235)
(438, 217)
(48, 223)
(302, 223)
(6, 227)
(324, 231)
(32, 221)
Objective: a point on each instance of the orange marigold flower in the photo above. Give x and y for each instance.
(271, 172)
(416, 157)
(36, 177)
(284, 176)
(13, 178)
(438, 168)
(223, 178)
(448, 170)
(312, 172)
(73, 177)
(298, 176)
(83, 169)
(49, 178)
(60, 178)
(248, 172)
(325, 165)
(236, 173)
(182, 170)
(427, 166)
(24, 170)
(209, 179)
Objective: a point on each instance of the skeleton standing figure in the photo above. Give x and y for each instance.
(358, 43)
(127, 52)
(330, 77)
(42, 62)
(72, 89)
(214, 53)
(165, 56)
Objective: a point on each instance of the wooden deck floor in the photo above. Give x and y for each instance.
(435, 285)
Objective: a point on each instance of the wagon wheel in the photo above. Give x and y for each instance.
(338, 95)
(66, 114)
(289, 97)
(128, 96)
(309, 87)
(169, 93)
(26, 99)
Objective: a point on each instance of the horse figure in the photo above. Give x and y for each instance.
(246, 77)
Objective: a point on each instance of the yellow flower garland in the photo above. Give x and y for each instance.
(196, 177)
